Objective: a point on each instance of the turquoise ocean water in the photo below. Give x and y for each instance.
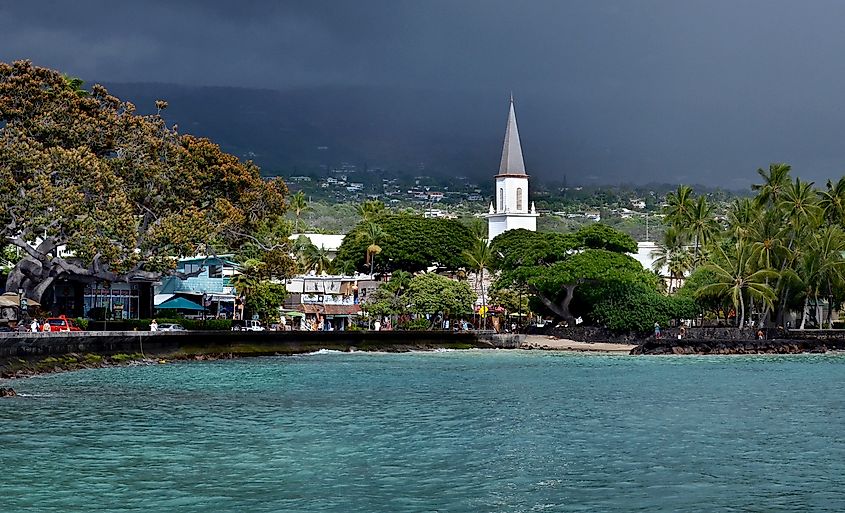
(473, 431)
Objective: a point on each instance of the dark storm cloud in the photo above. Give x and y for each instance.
(702, 91)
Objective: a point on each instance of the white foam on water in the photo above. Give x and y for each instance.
(322, 351)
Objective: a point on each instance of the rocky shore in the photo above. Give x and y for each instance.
(703, 347)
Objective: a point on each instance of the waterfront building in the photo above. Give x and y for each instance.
(328, 301)
(209, 286)
(510, 208)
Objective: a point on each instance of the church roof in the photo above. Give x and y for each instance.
(512, 163)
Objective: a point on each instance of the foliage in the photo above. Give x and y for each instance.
(420, 324)
(264, 299)
(410, 243)
(638, 308)
(553, 266)
(382, 302)
(431, 294)
(124, 193)
(511, 300)
(298, 206)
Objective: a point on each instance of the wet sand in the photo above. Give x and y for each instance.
(561, 344)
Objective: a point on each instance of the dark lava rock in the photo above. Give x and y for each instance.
(7, 392)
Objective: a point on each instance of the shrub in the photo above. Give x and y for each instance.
(420, 324)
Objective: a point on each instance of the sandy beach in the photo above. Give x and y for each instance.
(561, 344)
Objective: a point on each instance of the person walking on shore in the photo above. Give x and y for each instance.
(153, 325)
(656, 330)
(33, 326)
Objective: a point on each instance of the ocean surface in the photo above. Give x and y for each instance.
(462, 431)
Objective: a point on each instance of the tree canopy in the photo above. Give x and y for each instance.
(587, 272)
(91, 189)
(406, 242)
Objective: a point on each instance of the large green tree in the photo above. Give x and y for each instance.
(93, 190)
(431, 293)
(592, 262)
(409, 243)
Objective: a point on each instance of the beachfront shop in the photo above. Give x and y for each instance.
(329, 317)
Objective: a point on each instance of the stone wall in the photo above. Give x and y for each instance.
(598, 334)
(23, 345)
(772, 346)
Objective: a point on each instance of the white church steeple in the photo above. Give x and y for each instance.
(511, 194)
(512, 163)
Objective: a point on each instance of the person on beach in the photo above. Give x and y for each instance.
(153, 325)
(682, 332)
(760, 334)
(45, 326)
(33, 326)
(656, 330)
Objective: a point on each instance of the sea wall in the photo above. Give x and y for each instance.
(598, 334)
(28, 345)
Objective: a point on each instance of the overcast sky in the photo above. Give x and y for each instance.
(628, 90)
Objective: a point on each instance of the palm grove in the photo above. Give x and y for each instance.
(776, 252)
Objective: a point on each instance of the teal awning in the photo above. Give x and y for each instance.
(179, 303)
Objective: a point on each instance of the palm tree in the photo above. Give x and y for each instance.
(317, 259)
(822, 268)
(736, 277)
(832, 202)
(478, 259)
(370, 210)
(298, 204)
(679, 204)
(672, 255)
(742, 218)
(800, 204)
(478, 228)
(774, 183)
(702, 224)
(248, 278)
(374, 235)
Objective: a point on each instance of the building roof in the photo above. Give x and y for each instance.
(179, 303)
(512, 163)
(321, 240)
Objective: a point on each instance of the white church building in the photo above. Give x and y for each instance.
(510, 208)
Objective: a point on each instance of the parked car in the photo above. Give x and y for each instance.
(62, 323)
(171, 327)
(249, 325)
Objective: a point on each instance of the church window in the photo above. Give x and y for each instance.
(519, 198)
(501, 199)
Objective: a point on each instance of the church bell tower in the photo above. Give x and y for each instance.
(510, 207)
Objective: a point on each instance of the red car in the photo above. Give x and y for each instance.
(62, 323)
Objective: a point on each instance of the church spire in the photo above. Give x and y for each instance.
(512, 163)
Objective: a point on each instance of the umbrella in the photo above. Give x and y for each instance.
(12, 299)
(179, 303)
(293, 314)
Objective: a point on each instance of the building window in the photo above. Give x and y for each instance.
(215, 271)
(519, 198)
(501, 199)
(192, 268)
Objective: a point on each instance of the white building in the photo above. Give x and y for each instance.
(510, 209)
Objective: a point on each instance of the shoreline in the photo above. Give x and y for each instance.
(49, 353)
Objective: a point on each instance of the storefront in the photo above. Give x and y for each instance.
(113, 301)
